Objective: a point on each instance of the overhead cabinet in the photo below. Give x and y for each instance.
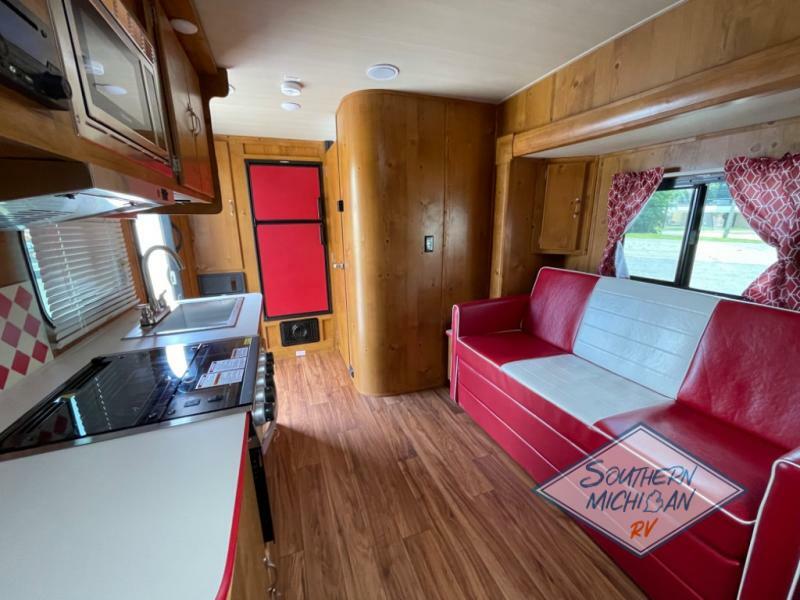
(124, 99)
(559, 220)
(192, 159)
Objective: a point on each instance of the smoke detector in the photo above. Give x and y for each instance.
(290, 106)
(291, 88)
(383, 72)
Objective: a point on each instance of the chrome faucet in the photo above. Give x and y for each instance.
(156, 308)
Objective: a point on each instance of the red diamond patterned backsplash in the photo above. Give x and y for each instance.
(23, 334)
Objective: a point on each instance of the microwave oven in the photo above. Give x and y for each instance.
(110, 59)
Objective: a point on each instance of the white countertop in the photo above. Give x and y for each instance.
(141, 516)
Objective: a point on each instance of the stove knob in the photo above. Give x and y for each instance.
(270, 395)
(259, 410)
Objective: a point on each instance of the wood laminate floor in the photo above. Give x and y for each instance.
(405, 497)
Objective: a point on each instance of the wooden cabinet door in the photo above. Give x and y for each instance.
(203, 180)
(186, 116)
(216, 237)
(562, 214)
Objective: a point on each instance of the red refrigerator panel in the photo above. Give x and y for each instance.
(293, 273)
(283, 192)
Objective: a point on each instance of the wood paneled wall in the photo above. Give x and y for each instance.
(690, 38)
(704, 153)
(411, 166)
(12, 259)
(336, 261)
(519, 190)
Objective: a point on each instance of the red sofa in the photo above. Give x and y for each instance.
(554, 375)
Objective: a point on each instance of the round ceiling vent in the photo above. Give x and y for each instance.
(383, 72)
(291, 88)
(290, 106)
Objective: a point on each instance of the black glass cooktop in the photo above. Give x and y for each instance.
(125, 391)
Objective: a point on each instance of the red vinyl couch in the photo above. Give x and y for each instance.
(555, 375)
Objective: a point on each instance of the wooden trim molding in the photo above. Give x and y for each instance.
(769, 71)
(504, 149)
(129, 236)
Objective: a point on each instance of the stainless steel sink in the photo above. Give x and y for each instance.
(195, 315)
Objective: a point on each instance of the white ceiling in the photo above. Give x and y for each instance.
(473, 49)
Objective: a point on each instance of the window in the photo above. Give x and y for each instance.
(81, 273)
(690, 234)
(156, 230)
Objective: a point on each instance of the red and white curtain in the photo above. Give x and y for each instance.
(767, 192)
(628, 194)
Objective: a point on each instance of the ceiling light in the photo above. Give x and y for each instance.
(290, 106)
(291, 88)
(183, 26)
(383, 72)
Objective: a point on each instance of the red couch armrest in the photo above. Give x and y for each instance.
(773, 560)
(489, 316)
(481, 317)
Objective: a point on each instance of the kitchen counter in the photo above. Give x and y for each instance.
(17, 400)
(150, 515)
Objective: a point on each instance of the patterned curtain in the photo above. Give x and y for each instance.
(628, 194)
(767, 192)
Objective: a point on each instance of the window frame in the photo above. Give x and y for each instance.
(691, 238)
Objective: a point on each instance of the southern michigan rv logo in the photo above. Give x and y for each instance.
(640, 490)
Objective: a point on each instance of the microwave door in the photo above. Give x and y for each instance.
(112, 76)
(156, 112)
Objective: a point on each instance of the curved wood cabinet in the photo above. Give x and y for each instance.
(411, 166)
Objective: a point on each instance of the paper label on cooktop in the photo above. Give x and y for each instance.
(208, 380)
(240, 352)
(227, 365)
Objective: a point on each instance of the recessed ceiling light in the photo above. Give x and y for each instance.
(291, 88)
(290, 106)
(183, 26)
(383, 72)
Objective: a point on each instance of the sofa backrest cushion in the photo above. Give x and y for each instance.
(642, 331)
(556, 307)
(747, 371)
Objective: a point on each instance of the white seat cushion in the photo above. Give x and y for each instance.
(587, 392)
(645, 332)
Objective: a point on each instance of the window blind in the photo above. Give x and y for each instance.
(82, 275)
